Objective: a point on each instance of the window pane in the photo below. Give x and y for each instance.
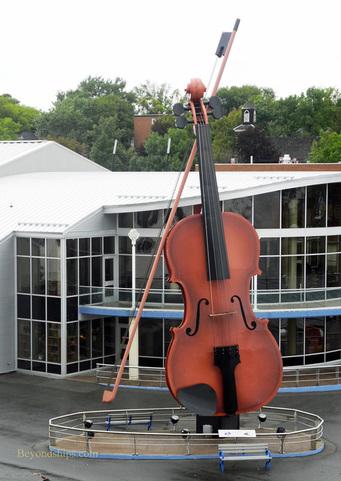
(84, 271)
(269, 246)
(38, 247)
(124, 245)
(84, 340)
(334, 205)
(334, 270)
(267, 211)
(24, 339)
(314, 335)
(334, 243)
(53, 343)
(71, 247)
(292, 337)
(72, 276)
(72, 342)
(38, 341)
(72, 308)
(274, 328)
(97, 338)
(181, 213)
(23, 246)
(149, 219)
(53, 309)
(109, 245)
(38, 276)
(125, 219)
(241, 206)
(316, 245)
(38, 308)
(292, 245)
(84, 247)
(97, 271)
(147, 245)
(333, 326)
(125, 271)
(269, 279)
(23, 274)
(53, 247)
(109, 336)
(315, 271)
(293, 208)
(96, 246)
(292, 272)
(150, 337)
(24, 306)
(53, 277)
(316, 206)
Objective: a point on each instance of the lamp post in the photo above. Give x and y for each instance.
(133, 235)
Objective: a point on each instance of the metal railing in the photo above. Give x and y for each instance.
(155, 377)
(127, 432)
(331, 296)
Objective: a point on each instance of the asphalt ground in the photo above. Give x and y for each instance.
(28, 402)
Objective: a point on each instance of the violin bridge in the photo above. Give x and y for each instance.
(220, 314)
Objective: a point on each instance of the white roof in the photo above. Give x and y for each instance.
(52, 202)
(18, 157)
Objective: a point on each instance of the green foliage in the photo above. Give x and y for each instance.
(156, 158)
(15, 118)
(155, 99)
(92, 116)
(223, 137)
(254, 142)
(327, 148)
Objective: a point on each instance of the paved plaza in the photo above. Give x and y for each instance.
(27, 402)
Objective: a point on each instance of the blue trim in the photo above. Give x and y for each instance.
(326, 388)
(178, 314)
(300, 455)
(329, 387)
(84, 454)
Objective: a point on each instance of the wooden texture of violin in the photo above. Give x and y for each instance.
(192, 377)
(221, 360)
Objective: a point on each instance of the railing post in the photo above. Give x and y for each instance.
(135, 447)
(297, 377)
(318, 376)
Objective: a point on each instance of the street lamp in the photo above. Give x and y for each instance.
(133, 235)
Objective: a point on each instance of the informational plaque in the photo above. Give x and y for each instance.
(236, 433)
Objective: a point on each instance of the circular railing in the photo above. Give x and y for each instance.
(149, 433)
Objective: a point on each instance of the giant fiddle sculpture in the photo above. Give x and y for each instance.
(221, 360)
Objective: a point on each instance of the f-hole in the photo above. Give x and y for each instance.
(189, 331)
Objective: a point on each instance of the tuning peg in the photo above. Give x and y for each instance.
(216, 106)
(180, 121)
(178, 109)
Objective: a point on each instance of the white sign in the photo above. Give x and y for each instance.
(236, 433)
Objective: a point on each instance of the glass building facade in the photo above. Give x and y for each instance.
(300, 257)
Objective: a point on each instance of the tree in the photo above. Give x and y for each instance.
(155, 156)
(223, 136)
(92, 117)
(254, 142)
(15, 118)
(327, 148)
(155, 99)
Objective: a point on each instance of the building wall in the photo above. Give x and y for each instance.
(7, 306)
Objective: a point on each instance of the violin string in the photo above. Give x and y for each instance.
(204, 214)
(214, 226)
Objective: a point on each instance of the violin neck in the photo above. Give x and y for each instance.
(216, 255)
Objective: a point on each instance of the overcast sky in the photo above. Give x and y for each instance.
(51, 45)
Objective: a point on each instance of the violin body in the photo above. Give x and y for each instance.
(214, 320)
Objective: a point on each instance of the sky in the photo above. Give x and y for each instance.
(52, 45)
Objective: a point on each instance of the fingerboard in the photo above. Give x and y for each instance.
(216, 255)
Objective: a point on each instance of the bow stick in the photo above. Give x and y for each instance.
(223, 49)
